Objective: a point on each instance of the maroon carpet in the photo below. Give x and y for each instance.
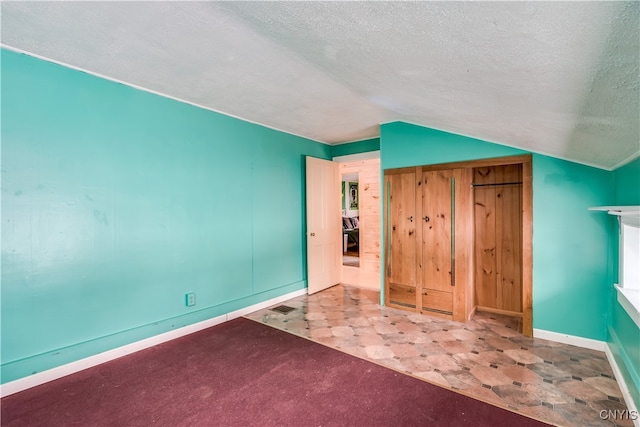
(243, 373)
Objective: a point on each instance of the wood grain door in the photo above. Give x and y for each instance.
(400, 237)
(498, 238)
(437, 222)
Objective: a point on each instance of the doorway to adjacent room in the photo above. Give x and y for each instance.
(350, 220)
(360, 176)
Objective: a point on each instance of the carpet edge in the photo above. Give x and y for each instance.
(458, 391)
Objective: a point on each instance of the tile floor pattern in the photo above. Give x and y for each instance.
(485, 358)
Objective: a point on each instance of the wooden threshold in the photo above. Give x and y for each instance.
(498, 311)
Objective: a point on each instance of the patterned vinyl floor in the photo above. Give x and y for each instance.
(485, 358)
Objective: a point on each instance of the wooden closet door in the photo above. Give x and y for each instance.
(437, 266)
(498, 237)
(509, 239)
(400, 234)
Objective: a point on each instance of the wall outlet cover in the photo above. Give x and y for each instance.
(190, 299)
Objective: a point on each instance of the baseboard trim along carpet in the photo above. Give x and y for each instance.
(39, 378)
(245, 373)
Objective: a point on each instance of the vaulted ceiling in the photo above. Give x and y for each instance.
(558, 78)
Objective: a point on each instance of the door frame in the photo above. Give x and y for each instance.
(527, 220)
(367, 276)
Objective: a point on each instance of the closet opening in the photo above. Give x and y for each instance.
(458, 240)
(497, 194)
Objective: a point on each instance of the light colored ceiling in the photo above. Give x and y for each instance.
(559, 78)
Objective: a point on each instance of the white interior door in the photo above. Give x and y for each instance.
(324, 228)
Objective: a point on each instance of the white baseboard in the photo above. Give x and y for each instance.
(570, 339)
(595, 345)
(265, 304)
(624, 389)
(88, 362)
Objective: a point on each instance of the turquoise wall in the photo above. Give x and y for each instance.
(116, 202)
(570, 243)
(627, 183)
(571, 259)
(357, 147)
(624, 343)
(626, 192)
(403, 145)
(624, 334)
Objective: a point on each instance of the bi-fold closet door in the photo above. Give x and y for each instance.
(428, 230)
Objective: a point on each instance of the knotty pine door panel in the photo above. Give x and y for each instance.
(429, 241)
(437, 261)
(498, 237)
(400, 231)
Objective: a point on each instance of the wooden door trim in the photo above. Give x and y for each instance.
(527, 247)
(496, 161)
(386, 208)
(419, 248)
(400, 171)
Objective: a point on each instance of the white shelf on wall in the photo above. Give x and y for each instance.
(618, 210)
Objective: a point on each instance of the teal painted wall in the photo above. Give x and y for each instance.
(570, 244)
(403, 145)
(571, 259)
(357, 147)
(624, 335)
(626, 192)
(116, 202)
(627, 183)
(624, 342)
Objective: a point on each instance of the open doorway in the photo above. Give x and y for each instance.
(360, 174)
(350, 220)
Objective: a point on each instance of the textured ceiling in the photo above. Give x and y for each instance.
(560, 78)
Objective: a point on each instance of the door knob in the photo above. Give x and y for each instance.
(426, 218)
(410, 218)
(313, 234)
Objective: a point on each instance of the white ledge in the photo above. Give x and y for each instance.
(629, 299)
(618, 210)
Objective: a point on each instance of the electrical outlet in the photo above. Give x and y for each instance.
(190, 299)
